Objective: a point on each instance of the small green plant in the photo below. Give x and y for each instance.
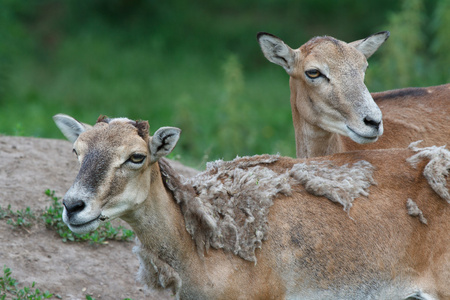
(21, 218)
(4, 212)
(9, 289)
(52, 217)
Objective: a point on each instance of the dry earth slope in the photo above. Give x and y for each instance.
(29, 166)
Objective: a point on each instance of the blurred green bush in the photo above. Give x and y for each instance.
(195, 64)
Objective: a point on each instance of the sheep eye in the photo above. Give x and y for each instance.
(313, 73)
(137, 158)
(75, 151)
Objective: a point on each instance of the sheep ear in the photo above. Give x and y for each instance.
(276, 51)
(370, 44)
(163, 142)
(70, 127)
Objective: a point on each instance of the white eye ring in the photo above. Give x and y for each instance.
(313, 73)
(136, 158)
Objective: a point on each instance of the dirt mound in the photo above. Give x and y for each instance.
(29, 166)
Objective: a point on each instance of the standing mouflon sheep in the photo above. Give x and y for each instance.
(332, 109)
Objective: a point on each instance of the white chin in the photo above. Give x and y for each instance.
(83, 229)
(360, 139)
(366, 141)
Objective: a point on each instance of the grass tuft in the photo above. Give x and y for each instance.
(21, 218)
(9, 289)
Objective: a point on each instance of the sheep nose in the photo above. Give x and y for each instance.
(372, 123)
(74, 207)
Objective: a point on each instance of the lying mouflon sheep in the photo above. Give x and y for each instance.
(251, 228)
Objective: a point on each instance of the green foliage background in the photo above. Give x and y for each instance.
(196, 64)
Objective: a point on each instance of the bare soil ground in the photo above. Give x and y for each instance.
(29, 166)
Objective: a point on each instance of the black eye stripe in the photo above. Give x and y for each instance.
(94, 169)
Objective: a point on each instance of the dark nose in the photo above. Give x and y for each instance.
(371, 122)
(74, 207)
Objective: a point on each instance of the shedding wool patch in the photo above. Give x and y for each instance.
(414, 211)
(437, 170)
(235, 198)
(226, 206)
(341, 184)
